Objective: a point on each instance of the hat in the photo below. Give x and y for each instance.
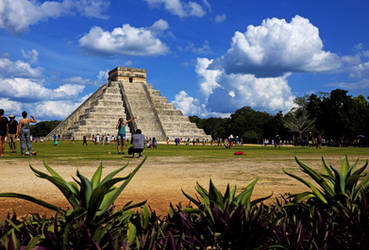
(11, 116)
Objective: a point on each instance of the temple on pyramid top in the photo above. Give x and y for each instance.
(127, 94)
(127, 74)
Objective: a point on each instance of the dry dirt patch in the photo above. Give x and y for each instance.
(159, 181)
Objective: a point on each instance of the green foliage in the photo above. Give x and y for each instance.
(334, 214)
(43, 128)
(92, 198)
(334, 186)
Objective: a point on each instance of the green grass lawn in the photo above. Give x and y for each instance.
(68, 152)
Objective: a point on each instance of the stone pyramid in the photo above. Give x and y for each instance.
(127, 94)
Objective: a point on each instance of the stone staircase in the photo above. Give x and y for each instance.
(174, 123)
(97, 115)
(141, 108)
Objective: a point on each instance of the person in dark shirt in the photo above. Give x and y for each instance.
(3, 131)
(13, 126)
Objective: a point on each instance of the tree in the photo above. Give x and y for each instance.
(41, 129)
(299, 121)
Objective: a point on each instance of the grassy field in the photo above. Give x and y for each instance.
(68, 152)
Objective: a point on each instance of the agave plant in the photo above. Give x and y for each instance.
(92, 198)
(228, 221)
(214, 196)
(346, 184)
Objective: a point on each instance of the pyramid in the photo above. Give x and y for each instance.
(127, 95)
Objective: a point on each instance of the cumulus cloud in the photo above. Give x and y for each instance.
(192, 106)
(31, 55)
(125, 40)
(27, 90)
(187, 104)
(55, 109)
(179, 8)
(10, 107)
(208, 78)
(220, 18)
(18, 68)
(227, 92)
(18, 15)
(277, 47)
(222, 93)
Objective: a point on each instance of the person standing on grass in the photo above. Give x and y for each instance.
(12, 127)
(121, 137)
(24, 131)
(84, 140)
(3, 131)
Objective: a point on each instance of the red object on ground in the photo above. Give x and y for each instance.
(238, 153)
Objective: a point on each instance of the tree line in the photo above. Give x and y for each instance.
(338, 118)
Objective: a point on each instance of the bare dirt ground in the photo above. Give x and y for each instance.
(159, 181)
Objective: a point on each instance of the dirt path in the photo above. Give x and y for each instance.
(159, 181)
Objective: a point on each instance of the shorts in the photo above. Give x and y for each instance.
(121, 137)
(2, 133)
(12, 138)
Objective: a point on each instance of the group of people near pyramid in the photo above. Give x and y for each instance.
(12, 129)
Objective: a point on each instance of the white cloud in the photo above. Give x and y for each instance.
(203, 50)
(195, 9)
(238, 90)
(9, 69)
(222, 93)
(362, 84)
(10, 107)
(31, 55)
(208, 78)
(192, 106)
(159, 26)
(176, 7)
(207, 4)
(227, 92)
(55, 109)
(277, 47)
(360, 70)
(125, 40)
(28, 90)
(18, 15)
(220, 18)
(187, 104)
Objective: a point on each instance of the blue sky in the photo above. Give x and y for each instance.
(207, 57)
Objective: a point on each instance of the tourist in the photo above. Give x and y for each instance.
(55, 140)
(12, 128)
(84, 140)
(24, 131)
(154, 143)
(3, 131)
(138, 143)
(121, 137)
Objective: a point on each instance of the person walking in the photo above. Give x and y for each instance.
(3, 131)
(12, 128)
(121, 137)
(24, 131)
